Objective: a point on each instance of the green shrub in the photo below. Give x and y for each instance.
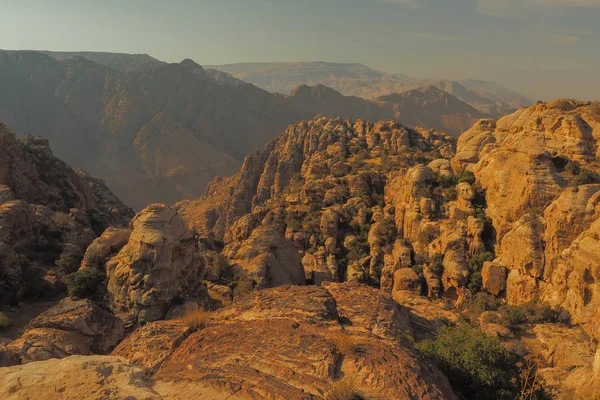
(465, 176)
(532, 312)
(448, 181)
(69, 262)
(475, 265)
(477, 365)
(84, 283)
(358, 248)
(437, 264)
(418, 268)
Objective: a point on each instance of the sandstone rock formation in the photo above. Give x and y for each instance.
(159, 262)
(539, 167)
(69, 328)
(258, 336)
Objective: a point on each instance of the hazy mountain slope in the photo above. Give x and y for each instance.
(162, 134)
(359, 80)
(122, 62)
(116, 125)
(118, 61)
(426, 107)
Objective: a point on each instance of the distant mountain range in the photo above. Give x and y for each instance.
(159, 132)
(359, 80)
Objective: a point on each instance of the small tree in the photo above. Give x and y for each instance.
(84, 283)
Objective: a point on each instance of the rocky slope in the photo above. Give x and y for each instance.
(359, 80)
(48, 212)
(334, 249)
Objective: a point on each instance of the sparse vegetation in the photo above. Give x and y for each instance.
(437, 264)
(532, 312)
(61, 220)
(84, 283)
(344, 343)
(465, 176)
(194, 316)
(530, 381)
(242, 286)
(345, 389)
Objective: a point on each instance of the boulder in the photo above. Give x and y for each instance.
(105, 247)
(268, 258)
(406, 280)
(493, 277)
(100, 329)
(159, 262)
(148, 346)
(521, 289)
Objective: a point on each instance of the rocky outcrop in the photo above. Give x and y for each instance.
(159, 262)
(76, 377)
(267, 258)
(259, 335)
(68, 328)
(539, 168)
(150, 345)
(299, 156)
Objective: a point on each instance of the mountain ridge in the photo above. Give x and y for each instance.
(488, 97)
(125, 126)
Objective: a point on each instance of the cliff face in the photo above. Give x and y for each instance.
(540, 170)
(47, 211)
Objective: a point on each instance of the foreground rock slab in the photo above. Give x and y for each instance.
(75, 378)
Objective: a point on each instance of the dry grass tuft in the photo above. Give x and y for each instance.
(195, 316)
(344, 343)
(345, 389)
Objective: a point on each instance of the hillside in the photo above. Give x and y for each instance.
(358, 80)
(160, 132)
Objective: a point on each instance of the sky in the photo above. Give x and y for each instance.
(544, 49)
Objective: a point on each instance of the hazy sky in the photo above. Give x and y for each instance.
(543, 48)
